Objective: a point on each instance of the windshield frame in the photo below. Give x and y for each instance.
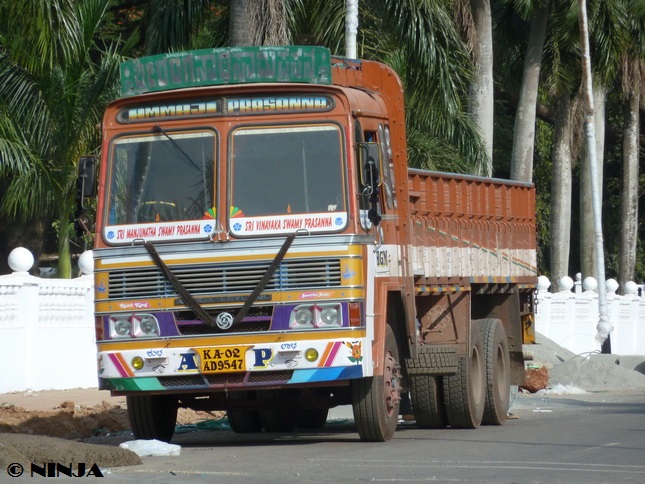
(164, 231)
(240, 225)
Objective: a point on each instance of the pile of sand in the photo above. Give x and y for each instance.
(582, 371)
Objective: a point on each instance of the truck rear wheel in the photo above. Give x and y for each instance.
(465, 391)
(426, 392)
(243, 420)
(311, 418)
(276, 419)
(152, 416)
(498, 371)
(375, 400)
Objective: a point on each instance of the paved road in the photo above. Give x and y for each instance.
(592, 438)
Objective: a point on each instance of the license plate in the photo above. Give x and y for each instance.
(222, 359)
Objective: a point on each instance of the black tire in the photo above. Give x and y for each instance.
(242, 420)
(311, 418)
(433, 360)
(426, 393)
(276, 420)
(152, 416)
(465, 392)
(376, 400)
(498, 371)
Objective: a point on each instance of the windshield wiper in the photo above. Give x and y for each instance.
(157, 128)
(186, 297)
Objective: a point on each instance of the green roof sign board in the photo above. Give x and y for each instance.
(234, 65)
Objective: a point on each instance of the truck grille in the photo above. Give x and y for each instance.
(149, 282)
(225, 379)
(257, 319)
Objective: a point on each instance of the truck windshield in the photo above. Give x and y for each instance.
(287, 170)
(161, 178)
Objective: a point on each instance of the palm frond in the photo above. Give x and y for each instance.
(171, 23)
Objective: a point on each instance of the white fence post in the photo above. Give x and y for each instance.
(46, 328)
(18, 315)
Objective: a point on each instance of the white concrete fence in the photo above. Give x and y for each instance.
(569, 318)
(47, 339)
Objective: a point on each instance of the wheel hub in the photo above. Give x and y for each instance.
(392, 380)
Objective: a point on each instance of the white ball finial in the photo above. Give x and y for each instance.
(21, 260)
(631, 287)
(543, 283)
(565, 284)
(86, 262)
(590, 284)
(612, 286)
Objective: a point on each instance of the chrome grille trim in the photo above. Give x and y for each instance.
(203, 279)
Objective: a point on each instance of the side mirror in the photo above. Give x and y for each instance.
(87, 176)
(371, 162)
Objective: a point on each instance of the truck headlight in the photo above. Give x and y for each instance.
(146, 325)
(329, 316)
(133, 326)
(325, 315)
(302, 317)
(120, 327)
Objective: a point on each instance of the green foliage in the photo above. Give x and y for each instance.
(420, 40)
(542, 181)
(56, 83)
(59, 60)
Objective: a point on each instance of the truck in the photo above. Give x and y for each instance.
(262, 247)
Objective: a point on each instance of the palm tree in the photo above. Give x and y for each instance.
(171, 24)
(524, 132)
(632, 79)
(421, 41)
(561, 186)
(481, 97)
(51, 99)
(609, 36)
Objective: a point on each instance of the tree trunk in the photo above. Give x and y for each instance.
(351, 28)
(258, 23)
(561, 191)
(240, 28)
(524, 131)
(587, 237)
(481, 90)
(629, 194)
(64, 231)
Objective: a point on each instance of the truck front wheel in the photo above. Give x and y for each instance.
(152, 416)
(376, 400)
(465, 391)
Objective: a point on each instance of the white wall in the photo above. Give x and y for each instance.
(569, 318)
(47, 337)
